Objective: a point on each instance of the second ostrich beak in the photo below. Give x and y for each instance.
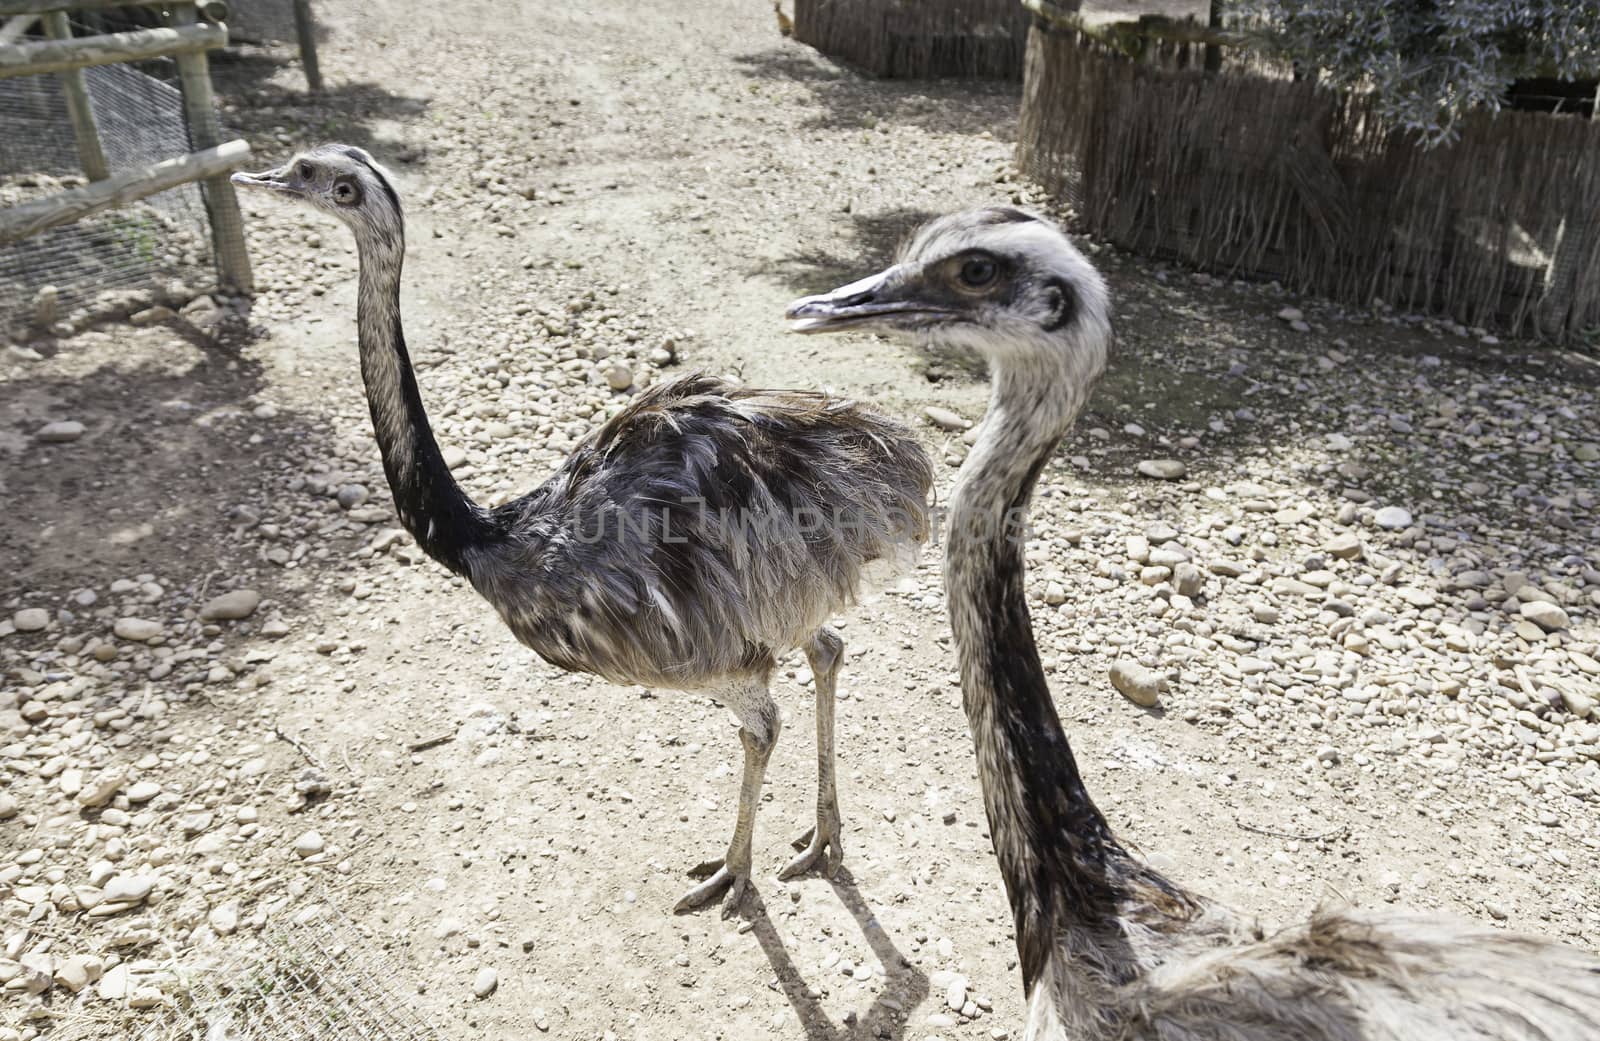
(893, 299)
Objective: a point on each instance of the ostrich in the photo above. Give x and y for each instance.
(1109, 948)
(703, 531)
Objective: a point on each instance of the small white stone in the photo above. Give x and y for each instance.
(140, 630)
(129, 888)
(945, 419)
(224, 918)
(62, 432)
(143, 791)
(31, 619)
(309, 844)
(1163, 469)
(619, 377)
(1393, 517)
(485, 982)
(1546, 616)
(231, 606)
(1138, 684)
(955, 995)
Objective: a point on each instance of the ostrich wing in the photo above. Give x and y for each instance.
(703, 529)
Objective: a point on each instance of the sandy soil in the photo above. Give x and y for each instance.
(588, 184)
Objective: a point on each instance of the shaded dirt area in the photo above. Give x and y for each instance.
(648, 185)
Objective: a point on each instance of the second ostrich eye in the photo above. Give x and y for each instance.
(978, 272)
(345, 193)
(306, 171)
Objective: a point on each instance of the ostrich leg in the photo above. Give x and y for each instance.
(759, 724)
(823, 652)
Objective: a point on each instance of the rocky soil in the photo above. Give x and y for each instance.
(1340, 565)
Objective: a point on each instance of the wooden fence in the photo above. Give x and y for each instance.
(194, 30)
(1269, 178)
(918, 39)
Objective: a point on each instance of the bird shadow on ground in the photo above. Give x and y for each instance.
(904, 989)
(852, 100)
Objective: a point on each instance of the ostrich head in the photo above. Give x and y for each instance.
(339, 179)
(999, 281)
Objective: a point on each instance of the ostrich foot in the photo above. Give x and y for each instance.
(812, 844)
(720, 878)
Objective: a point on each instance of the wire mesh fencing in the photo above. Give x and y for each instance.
(128, 250)
(261, 21)
(313, 976)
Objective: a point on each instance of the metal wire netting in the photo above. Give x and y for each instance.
(261, 21)
(311, 977)
(140, 246)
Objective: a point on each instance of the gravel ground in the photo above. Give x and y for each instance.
(1349, 556)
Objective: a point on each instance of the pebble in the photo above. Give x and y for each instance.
(955, 995)
(945, 419)
(1392, 517)
(129, 888)
(139, 630)
(309, 844)
(1547, 616)
(1138, 684)
(8, 806)
(231, 606)
(1346, 545)
(61, 432)
(143, 791)
(31, 619)
(224, 918)
(619, 377)
(1291, 314)
(1163, 469)
(100, 791)
(350, 496)
(485, 983)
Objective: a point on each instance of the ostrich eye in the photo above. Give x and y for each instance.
(345, 193)
(306, 171)
(978, 272)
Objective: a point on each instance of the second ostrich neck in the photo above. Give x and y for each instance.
(1056, 853)
(432, 507)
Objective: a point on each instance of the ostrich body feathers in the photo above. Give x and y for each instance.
(702, 530)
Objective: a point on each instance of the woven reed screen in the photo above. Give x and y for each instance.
(1269, 178)
(918, 39)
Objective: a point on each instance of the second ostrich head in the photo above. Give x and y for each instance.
(340, 180)
(999, 281)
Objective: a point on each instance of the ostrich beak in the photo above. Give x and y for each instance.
(276, 180)
(892, 299)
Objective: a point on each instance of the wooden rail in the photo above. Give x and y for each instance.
(14, 27)
(186, 40)
(13, 7)
(33, 59)
(120, 188)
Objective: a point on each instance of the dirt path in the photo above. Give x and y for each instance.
(596, 187)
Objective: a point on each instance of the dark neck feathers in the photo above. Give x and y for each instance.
(432, 507)
(1056, 852)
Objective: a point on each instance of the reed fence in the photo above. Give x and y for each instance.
(918, 39)
(1261, 176)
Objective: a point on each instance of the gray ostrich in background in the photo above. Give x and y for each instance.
(702, 532)
(1110, 950)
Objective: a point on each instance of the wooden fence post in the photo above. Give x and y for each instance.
(305, 28)
(222, 206)
(76, 87)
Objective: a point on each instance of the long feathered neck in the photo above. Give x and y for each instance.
(433, 508)
(1056, 853)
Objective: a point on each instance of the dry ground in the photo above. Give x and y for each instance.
(591, 185)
